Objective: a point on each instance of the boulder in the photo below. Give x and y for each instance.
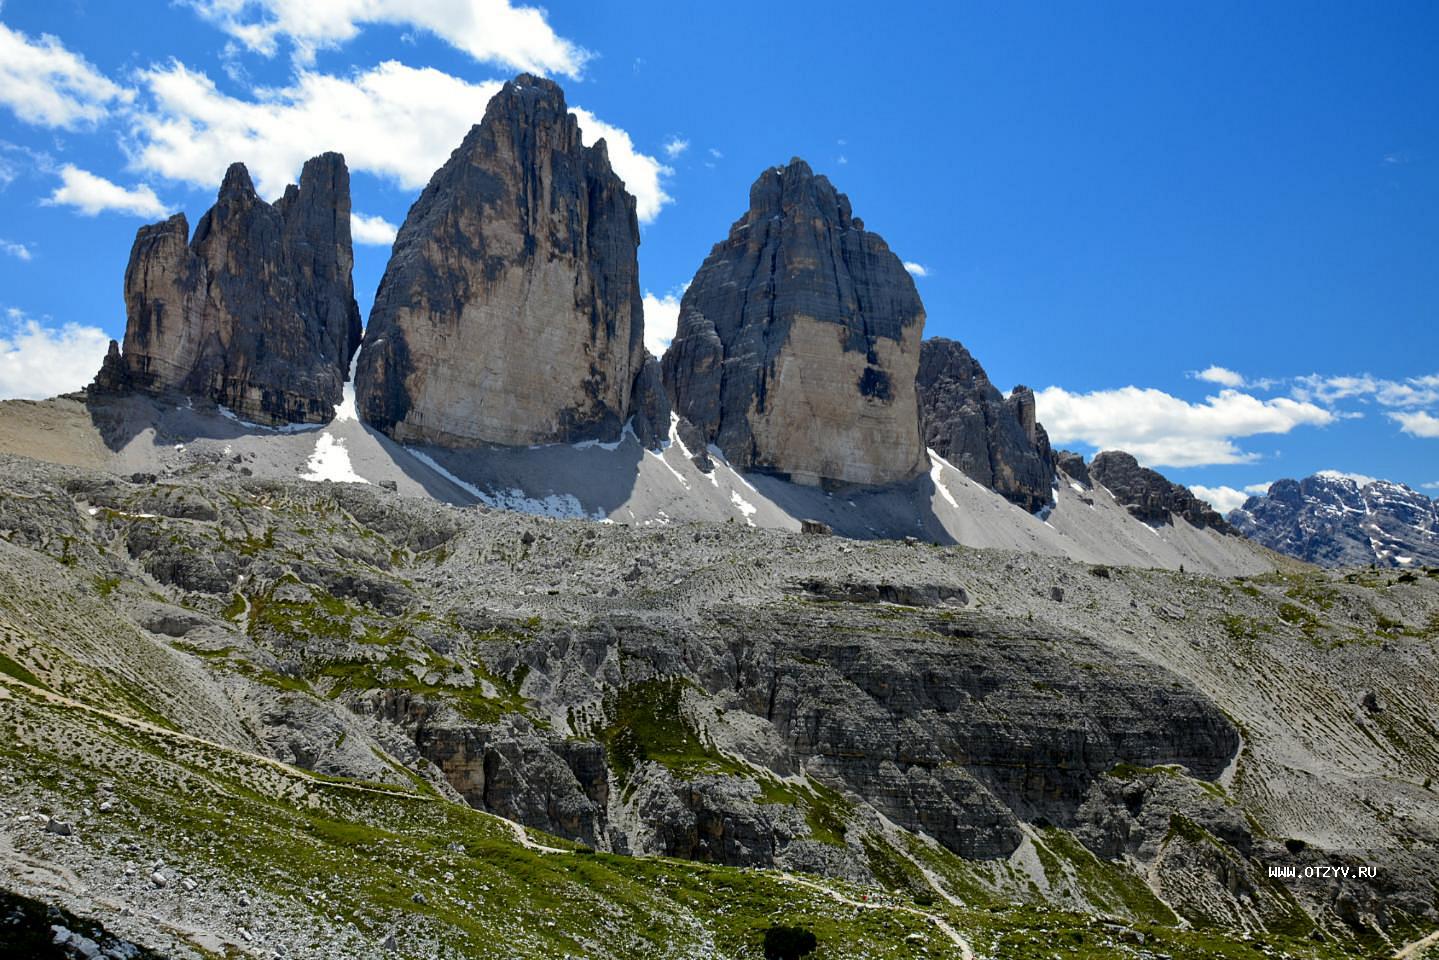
(255, 312)
(510, 311)
(798, 341)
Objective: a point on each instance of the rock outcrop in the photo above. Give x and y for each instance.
(256, 312)
(995, 440)
(1337, 521)
(798, 341)
(1148, 495)
(510, 311)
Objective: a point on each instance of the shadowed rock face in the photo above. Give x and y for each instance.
(510, 311)
(1148, 495)
(798, 341)
(994, 440)
(255, 312)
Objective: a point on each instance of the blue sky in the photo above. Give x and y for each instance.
(1207, 232)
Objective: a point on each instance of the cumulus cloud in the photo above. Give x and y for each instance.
(49, 86)
(17, 250)
(394, 121)
(1223, 499)
(674, 146)
(39, 361)
(1417, 423)
(662, 317)
(1164, 430)
(916, 269)
(1221, 376)
(92, 194)
(490, 31)
(376, 231)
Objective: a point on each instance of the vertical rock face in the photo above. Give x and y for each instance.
(255, 312)
(1148, 495)
(996, 441)
(798, 341)
(510, 311)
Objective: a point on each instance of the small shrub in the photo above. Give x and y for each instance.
(788, 943)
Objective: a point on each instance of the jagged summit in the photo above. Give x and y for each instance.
(510, 312)
(996, 441)
(1340, 521)
(1148, 494)
(798, 341)
(256, 312)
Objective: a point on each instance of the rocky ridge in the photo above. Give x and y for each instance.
(798, 341)
(1338, 521)
(995, 440)
(256, 312)
(1148, 494)
(510, 310)
(736, 697)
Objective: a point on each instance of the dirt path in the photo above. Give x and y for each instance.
(965, 950)
(1412, 951)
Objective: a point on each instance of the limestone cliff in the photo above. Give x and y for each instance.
(255, 312)
(798, 341)
(1149, 495)
(510, 311)
(995, 440)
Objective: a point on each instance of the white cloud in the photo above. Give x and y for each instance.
(641, 173)
(662, 317)
(376, 231)
(47, 85)
(674, 146)
(1363, 479)
(490, 31)
(1258, 489)
(17, 250)
(1430, 486)
(37, 361)
(716, 154)
(1223, 499)
(1163, 430)
(916, 269)
(92, 194)
(1221, 376)
(1409, 392)
(394, 121)
(1417, 423)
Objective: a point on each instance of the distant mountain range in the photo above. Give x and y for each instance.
(1339, 521)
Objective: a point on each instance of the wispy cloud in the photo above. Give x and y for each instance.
(1417, 423)
(916, 269)
(47, 85)
(17, 250)
(489, 31)
(92, 194)
(1409, 392)
(675, 146)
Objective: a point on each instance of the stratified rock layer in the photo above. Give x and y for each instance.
(1148, 495)
(996, 441)
(510, 311)
(798, 341)
(1337, 521)
(255, 312)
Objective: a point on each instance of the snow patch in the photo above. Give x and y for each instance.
(229, 414)
(331, 461)
(936, 476)
(561, 506)
(745, 507)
